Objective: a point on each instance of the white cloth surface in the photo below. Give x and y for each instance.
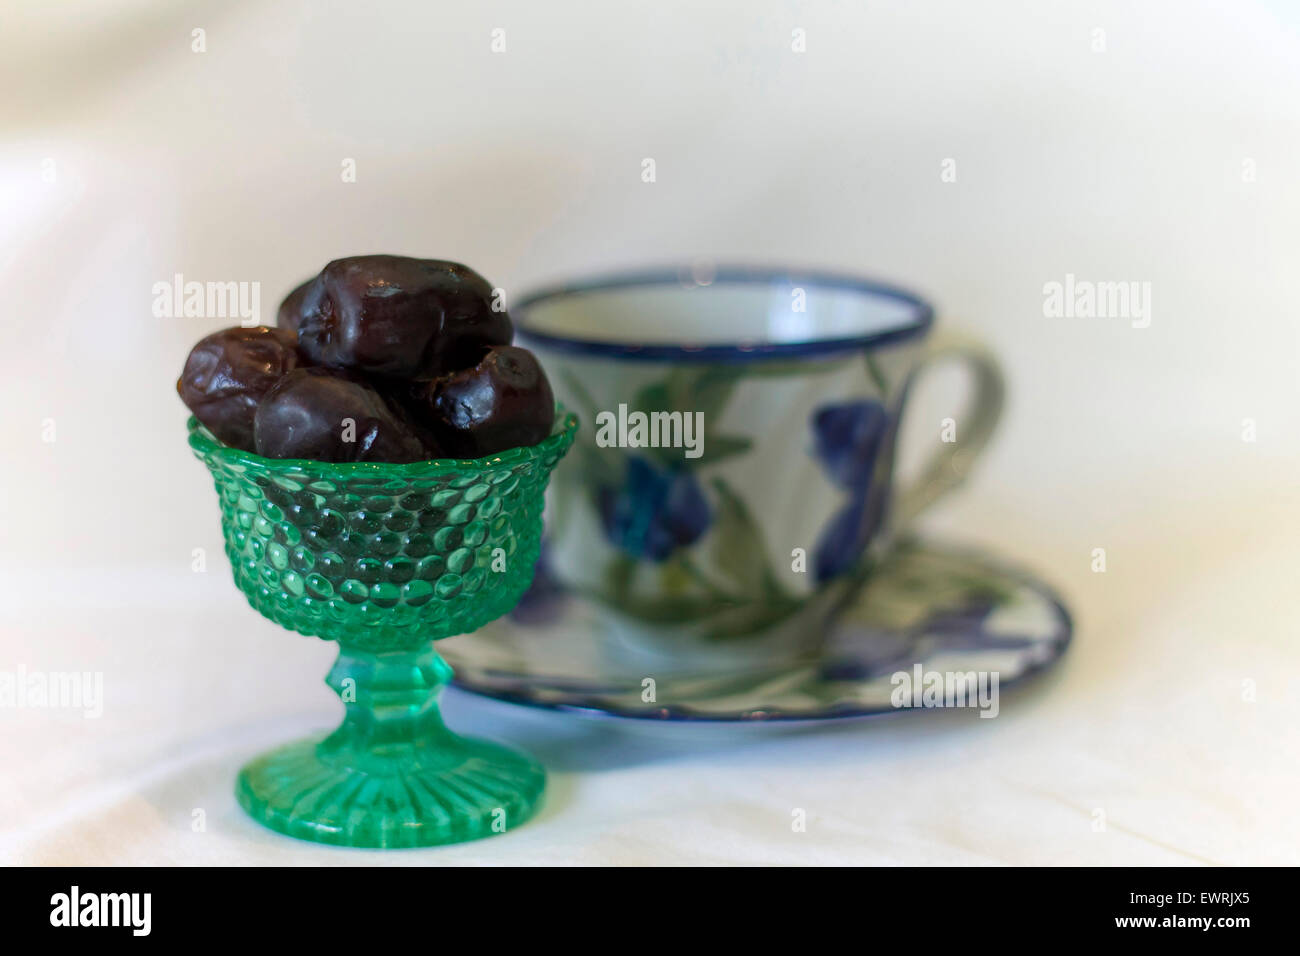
(1176, 713)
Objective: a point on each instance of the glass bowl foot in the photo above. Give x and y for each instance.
(479, 789)
(392, 775)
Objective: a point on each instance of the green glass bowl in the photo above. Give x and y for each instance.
(386, 559)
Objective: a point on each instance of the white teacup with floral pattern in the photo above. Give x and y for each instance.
(732, 481)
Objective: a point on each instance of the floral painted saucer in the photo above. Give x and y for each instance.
(926, 609)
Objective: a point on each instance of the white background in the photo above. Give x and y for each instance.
(1125, 164)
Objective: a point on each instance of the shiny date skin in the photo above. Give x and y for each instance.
(399, 317)
(228, 373)
(504, 401)
(328, 415)
(290, 313)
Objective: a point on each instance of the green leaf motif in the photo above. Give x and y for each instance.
(737, 548)
(580, 394)
(915, 581)
(877, 376)
(731, 595)
(693, 390)
(721, 447)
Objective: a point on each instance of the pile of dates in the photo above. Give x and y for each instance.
(378, 358)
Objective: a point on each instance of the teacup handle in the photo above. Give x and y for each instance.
(951, 462)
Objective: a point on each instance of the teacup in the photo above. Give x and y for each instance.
(732, 484)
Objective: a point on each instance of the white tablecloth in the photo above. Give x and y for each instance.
(1168, 736)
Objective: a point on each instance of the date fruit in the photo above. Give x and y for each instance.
(376, 358)
(502, 402)
(227, 375)
(290, 314)
(328, 415)
(399, 317)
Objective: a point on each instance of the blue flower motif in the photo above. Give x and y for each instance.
(544, 601)
(845, 537)
(847, 440)
(655, 512)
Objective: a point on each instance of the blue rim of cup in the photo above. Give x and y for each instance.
(691, 276)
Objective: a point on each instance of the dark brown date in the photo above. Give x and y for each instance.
(290, 314)
(328, 415)
(399, 317)
(504, 401)
(229, 372)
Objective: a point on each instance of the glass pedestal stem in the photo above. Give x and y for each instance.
(392, 774)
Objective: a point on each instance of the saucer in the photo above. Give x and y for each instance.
(928, 605)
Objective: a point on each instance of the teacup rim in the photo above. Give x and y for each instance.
(725, 352)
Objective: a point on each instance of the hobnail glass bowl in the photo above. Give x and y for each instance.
(386, 559)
